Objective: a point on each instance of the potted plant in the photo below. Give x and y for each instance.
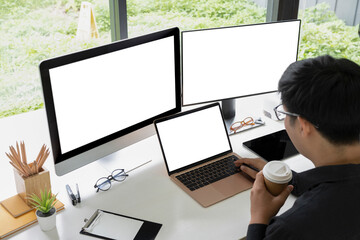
(45, 210)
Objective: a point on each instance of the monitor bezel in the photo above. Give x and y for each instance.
(48, 64)
(226, 27)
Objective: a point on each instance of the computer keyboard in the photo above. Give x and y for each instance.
(209, 173)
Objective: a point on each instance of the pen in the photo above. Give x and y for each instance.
(71, 195)
(78, 194)
(138, 166)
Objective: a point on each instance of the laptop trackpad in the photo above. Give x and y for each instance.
(221, 190)
(232, 185)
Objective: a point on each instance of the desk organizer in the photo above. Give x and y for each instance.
(26, 186)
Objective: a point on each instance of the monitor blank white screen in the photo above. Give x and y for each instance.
(237, 61)
(96, 97)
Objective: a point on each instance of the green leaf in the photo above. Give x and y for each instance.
(46, 201)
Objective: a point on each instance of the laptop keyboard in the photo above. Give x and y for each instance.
(209, 173)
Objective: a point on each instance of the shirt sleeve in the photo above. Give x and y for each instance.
(274, 231)
(256, 231)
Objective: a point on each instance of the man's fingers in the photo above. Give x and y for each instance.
(257, 163)
(250, 166)
(252, 173)
(284, 194)
(241, 161)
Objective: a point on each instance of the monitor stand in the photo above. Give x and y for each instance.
(228, 107)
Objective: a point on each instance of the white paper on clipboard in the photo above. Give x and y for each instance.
(114, 226)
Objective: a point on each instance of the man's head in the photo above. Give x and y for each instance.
(326, 92)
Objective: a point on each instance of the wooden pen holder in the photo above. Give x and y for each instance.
(32, 184)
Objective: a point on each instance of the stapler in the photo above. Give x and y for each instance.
(74, 199)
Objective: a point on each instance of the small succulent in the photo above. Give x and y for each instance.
(45, 202)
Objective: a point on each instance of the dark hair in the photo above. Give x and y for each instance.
(326, 92)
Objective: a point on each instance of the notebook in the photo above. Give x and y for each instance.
(9, 224)
(197, 140)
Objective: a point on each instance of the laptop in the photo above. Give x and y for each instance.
(198, 155)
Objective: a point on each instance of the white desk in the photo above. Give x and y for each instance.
(147, 193)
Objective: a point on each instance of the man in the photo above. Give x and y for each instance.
(321, 101)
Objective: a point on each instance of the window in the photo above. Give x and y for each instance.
(152, 15)
(34, 30)
(330, 27)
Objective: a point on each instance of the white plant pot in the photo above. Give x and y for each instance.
(48, 221)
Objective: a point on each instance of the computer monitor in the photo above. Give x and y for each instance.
(240, 61)
(106, 98)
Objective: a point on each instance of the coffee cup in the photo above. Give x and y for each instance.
(277, 175)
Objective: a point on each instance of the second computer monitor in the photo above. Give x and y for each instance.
(232, 62)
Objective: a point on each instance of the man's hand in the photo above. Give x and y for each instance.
(263, 204)
(256, 163)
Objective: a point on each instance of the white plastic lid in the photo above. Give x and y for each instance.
(277, 172)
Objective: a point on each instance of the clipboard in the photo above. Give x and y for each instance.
(108, 225)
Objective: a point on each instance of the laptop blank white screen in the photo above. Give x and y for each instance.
(193, 137)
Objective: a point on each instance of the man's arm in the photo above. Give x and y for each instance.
(264, 205)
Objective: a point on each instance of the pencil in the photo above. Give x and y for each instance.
(40, 153)
(18, 169)
(15, 158)
(44, 157)
(18, 151)
(23, 152)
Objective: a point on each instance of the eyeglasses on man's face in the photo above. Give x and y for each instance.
(104, 183)
(280, 113)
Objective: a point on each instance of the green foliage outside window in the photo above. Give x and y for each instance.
(323, 33)
(151, 15)
(31, 31)
(34, 30)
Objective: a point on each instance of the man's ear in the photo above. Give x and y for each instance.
(305, 126)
